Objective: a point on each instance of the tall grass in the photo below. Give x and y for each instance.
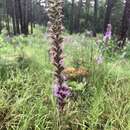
(99, 102)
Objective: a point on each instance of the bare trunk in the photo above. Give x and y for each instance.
(7, 18)
(71, 24)
(17, 17)
(13, 17)
(108, 14)
(0, 25)
(125, 25)
(77, 17)
(95, 17)
(31, 17)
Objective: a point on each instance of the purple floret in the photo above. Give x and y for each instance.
(108, 34)
(61, 92)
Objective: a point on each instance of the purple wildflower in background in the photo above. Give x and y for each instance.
(99, 59)
(60, 89)
(108, 33)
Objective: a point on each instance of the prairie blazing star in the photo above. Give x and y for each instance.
(61, 92)
(60, 89)
(108, 33)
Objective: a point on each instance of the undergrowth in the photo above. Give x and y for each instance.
(99, 101)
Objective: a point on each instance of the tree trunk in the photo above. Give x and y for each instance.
(20, 16)
(87, 6)
(13, 17)
(108, 14)
(7, 18)
(95, 17)
(71, 24)
(31, 17)
(125, 25)
(7, 24)
(17, 17)
(26, 22)
(78, 16)
(0, 25)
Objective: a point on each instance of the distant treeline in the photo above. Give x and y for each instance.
(21, 14)
(79, 15)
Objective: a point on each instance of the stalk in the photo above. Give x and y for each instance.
(60, 89)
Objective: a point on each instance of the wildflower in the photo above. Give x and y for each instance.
(76, 73)
(99, 59)
(60, 90)
(108, 33)
(70, 70)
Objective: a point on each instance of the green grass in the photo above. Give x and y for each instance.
(99, 102)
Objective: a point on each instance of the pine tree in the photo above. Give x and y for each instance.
(125, 25)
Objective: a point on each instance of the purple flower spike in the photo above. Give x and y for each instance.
(60, 89)
(108, 33)
(62, 92)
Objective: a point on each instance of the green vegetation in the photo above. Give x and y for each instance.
(99, 101)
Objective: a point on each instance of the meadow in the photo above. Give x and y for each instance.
(100, 99)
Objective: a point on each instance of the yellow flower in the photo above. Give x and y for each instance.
(69, 70)
(76, 73)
